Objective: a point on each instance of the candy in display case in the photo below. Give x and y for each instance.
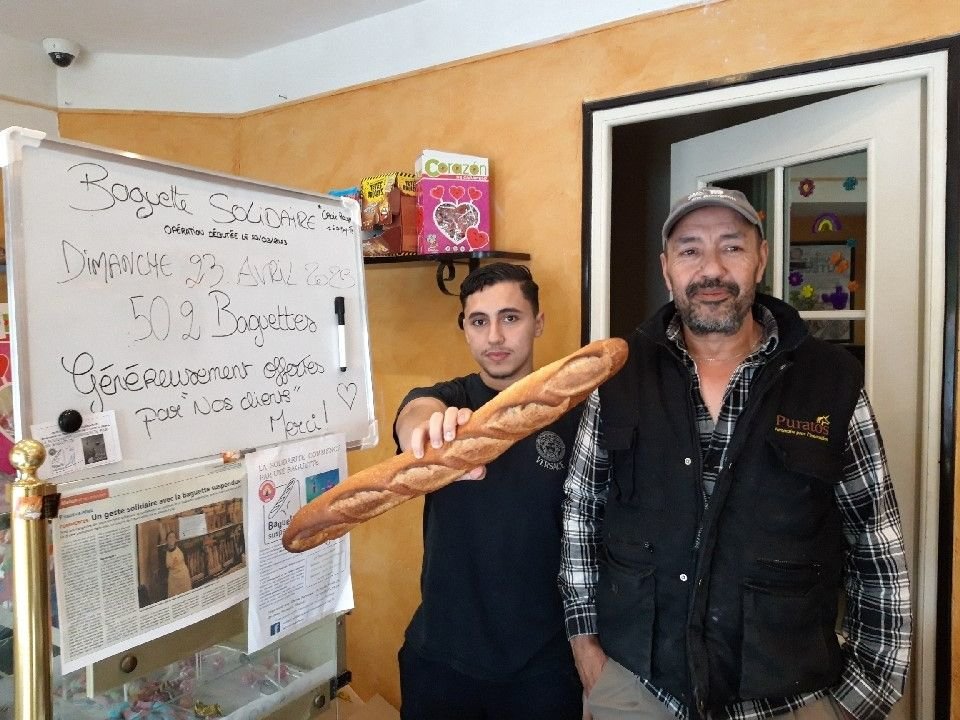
(221, 681)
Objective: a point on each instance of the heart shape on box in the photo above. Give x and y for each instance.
(437, 191)
(474, 193)
(477, 239)
(454, 220)
(4, 365)
(456, 192)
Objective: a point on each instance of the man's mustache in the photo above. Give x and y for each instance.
(712, 284)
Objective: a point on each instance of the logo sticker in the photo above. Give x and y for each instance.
(818, 429)
(267, 491)
(550, 450)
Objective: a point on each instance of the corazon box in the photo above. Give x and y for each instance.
(453, 202)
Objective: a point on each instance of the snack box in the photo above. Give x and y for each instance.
(453, 202)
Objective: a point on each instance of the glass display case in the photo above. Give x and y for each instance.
(200, 671)
(296, 679)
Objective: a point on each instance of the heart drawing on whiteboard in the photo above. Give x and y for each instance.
(454, 220)
(347, 393)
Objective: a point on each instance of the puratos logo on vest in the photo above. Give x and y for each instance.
(818, 429)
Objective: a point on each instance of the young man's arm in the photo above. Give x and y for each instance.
(426, 420)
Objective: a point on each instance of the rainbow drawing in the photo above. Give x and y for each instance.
(826, 222)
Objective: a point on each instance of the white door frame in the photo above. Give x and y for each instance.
(932, 68)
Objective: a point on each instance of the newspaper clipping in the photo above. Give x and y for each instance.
(139, 558)
(93, 445)
(291, 590)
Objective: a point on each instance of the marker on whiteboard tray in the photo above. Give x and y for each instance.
(341, 331)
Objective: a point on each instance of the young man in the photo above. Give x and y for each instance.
(725, 488)
(487, 641)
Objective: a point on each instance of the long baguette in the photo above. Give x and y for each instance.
(531, 403)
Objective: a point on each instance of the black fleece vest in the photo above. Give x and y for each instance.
(738, 601)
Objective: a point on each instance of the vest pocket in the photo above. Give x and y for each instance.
(785, 645)
(625, 614)
(618, 441)
(814, 459)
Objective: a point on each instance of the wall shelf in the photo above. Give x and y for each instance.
(445, 262)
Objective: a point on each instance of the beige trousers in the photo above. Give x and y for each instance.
(619, 695)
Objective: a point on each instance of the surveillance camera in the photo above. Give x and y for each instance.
(62, 52)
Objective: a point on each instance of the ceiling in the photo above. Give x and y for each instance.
(238, 56)
(186, 28)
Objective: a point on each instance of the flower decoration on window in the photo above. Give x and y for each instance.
(851, 242)
(795, 278)
(853, 286)
(805, 297)
(807, 186)
(850, 184)
(837, 299)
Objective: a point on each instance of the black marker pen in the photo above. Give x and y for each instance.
(341, 331)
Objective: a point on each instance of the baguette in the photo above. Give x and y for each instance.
(531, 403)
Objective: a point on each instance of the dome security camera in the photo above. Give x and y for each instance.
(62, 52)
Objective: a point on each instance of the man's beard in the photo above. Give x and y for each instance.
(726, 317)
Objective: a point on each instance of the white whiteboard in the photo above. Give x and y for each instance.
(198, 307)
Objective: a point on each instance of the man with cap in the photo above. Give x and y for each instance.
(728, 493)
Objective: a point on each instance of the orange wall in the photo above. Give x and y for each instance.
(207, 142)
(523, 110)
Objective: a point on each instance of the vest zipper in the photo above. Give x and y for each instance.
(698, 478)
(764, 380)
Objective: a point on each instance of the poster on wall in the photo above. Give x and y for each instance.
(289, 591)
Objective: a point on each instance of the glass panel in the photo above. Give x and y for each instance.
(825, 238)
(215, 682)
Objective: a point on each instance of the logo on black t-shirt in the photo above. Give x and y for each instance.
(550, 450)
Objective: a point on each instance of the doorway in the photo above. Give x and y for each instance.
(627, 173)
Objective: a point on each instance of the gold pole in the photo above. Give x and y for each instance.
(31, 586)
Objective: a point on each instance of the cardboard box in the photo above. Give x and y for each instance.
(349, 706)
(453, 203)
(400, 232)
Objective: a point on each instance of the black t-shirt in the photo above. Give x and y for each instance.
(490, 604)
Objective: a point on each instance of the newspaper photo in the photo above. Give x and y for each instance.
(288, 591)
(136, 559)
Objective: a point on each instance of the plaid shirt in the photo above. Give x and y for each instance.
(877, 623)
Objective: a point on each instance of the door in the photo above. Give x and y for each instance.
(839, 183)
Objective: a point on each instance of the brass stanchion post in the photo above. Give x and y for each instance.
(31, 586)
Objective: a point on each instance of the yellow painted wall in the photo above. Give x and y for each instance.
(523, 110)
(208, 142)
